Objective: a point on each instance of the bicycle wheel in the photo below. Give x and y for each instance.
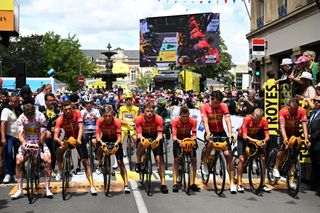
(129, 152)
(107, 174)
(219, 173)
(270, 165)
(148, 172)
(181, 170)
(156, 43)
(66, 174)
(30, 181)
(294, 177)
(187, 173)
(205, 178)
(255, 174)
(37, 174)
(165, 144)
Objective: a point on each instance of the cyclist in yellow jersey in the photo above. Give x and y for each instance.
(127, 113)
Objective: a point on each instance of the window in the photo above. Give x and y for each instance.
(133, 75)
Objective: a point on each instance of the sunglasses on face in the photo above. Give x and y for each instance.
(317, 101)
(129, 99)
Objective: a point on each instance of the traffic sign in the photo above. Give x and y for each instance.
(81, 80)
(258, 47)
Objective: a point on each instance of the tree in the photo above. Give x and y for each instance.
(144, 80)
(43, 52)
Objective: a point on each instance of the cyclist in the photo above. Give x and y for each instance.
(254, 126)
(127, 113)
(89, 116)
(72, 123)
(109, 130)
(32, 130)
(212, 114)
(150, 125)
(289, 118)
(184, 127)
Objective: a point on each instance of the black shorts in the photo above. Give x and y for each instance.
(177, 150)
(159, 150)
(119, 153)
(82, 149)
(219, 134)
(242, 143)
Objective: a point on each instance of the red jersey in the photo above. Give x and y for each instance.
(251, 129)
(291, 122)
(183, 130)
(112, 130)
(149, 128)
(215, 116)
(70, 125)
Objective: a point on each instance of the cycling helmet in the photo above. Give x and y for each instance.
(295, 142)
(128, 95)
(251, 149)
(87, 99)
(162, 101)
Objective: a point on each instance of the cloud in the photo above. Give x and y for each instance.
(96, 23)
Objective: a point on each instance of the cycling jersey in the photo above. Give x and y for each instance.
(108, 131)
(88, 120)
(70, 125)
(183, 130)
(291, 122)
(128, 114)
(151, 128)
(165, 114)
(32, 129)
(251, 129)
(215, 116)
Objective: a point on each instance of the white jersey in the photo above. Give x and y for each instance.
(32, 129)
(88, 120)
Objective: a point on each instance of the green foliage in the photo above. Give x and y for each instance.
(43, 52)
(144, 80)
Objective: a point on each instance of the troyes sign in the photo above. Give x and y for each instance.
(271, 103)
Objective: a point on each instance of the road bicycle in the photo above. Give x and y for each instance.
(146, 170)
(32, 170)
(216, 163)
(129, 149)
(184, 172)
(109, 149)
(290, 168)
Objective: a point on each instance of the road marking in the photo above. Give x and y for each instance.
(136, 192)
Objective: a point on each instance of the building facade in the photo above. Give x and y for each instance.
(289, 27)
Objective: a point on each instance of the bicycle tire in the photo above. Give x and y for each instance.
(149, 173)
(180, 170)
(107, 174)
(255, 174)
(156, 43)
(219, 170)
(187, 173)
(271, 161)
(205, 178)
(129, 152)
(29, 177)
(66, 173)
(37, 174)
(297, 177)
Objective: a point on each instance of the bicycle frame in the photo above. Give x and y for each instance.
(109, 150)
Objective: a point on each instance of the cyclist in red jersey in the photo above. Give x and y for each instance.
(255, 129)
(184, 127)
(72, 123)
(150, 125)
(212, 114)
(290, 118)
(109, 130)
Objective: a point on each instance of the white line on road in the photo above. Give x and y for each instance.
(136, 193)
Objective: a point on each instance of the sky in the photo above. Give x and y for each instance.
(99, 22)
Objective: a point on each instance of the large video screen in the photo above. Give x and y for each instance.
(181, 40)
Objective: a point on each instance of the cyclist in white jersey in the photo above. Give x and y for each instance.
(32, 130)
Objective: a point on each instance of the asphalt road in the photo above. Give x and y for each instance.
(139, 202)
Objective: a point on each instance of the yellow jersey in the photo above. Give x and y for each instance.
(128, 114)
